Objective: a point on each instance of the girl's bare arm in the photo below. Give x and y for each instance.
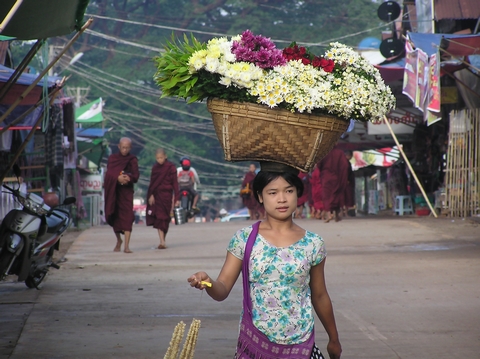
(221, 287)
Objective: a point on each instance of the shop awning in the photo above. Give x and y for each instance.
(40, 19)
(92, 132)
(457, 45)
(22, 83)
(391, 70)
(26, 123)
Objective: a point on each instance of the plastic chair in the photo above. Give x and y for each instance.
(403, 205)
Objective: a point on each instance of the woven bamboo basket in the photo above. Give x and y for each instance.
(251, 132)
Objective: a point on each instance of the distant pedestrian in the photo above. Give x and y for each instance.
(303, 199)
(122, 173)
(316, 188)
(246, 192)
(350, 188)
(162, 194)
(334, 180)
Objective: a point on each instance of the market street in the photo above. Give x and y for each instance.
(401, 288)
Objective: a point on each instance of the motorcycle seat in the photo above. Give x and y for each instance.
(55, 222)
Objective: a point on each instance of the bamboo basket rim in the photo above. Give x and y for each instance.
(276, 114)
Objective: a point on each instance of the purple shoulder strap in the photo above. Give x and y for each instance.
(247, 303)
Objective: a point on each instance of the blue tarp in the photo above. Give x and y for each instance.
(27, 121)
(91, 132)
(457, 45)
(25, 79)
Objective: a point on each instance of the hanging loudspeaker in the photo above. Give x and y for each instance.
(388, 11)
(391, 47)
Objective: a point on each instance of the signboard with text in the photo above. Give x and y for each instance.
(91, 183)
(401, 123)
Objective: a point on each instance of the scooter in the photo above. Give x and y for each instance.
(29, 236)
(186, 201)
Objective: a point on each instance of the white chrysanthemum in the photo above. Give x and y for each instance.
(225, 81)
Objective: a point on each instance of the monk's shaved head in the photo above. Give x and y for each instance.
(125, 140)
(160, 151)
(125, 145)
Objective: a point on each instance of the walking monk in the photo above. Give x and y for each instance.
(333, 180)
(122, 173)
(163, 187)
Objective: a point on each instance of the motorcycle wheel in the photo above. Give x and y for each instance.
(35, 280)
(185, 203)
(5, 259)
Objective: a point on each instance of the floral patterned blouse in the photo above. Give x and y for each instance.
(279, 284)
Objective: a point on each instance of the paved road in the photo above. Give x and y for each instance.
(402, 288)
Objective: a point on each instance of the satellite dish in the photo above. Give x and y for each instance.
(388, 11)
(391, 47)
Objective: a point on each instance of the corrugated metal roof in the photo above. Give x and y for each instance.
(456, 9)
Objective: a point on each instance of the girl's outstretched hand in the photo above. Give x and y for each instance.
(196, 280)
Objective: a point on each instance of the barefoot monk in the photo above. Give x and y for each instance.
(122, 173)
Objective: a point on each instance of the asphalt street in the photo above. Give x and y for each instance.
(402, 287)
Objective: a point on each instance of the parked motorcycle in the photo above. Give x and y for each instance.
(29, 236)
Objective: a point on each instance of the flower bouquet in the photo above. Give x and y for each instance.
(268, 104)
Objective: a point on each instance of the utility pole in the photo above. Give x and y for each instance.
(78, 93)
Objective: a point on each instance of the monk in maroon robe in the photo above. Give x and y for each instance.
(162, 189)
(122, 173)
(316, 189)
(301, 201)
(334, 180)
(350, 189)
(249, 200)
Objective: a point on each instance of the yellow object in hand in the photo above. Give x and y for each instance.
(208, 284)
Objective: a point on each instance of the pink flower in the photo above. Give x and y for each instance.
(258, 50)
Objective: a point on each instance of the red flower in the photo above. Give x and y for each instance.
(327, 65)
(317, 62)
(305, 61)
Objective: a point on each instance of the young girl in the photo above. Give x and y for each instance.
(286, 269)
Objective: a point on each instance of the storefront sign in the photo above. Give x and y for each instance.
(401, 123)
(91, 183)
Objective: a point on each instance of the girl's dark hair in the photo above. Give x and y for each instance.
(263, 178)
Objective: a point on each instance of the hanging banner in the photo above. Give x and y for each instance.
(432, 117)
(382, 157)
(410, 74)
(422, 79)
(433, 95)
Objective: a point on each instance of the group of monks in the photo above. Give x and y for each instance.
(329, 188)
(163, 193)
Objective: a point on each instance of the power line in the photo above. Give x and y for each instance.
(322, 43)
(134, 88)
(121, 41)
(94, 80)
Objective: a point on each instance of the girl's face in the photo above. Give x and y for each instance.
(279, 198)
